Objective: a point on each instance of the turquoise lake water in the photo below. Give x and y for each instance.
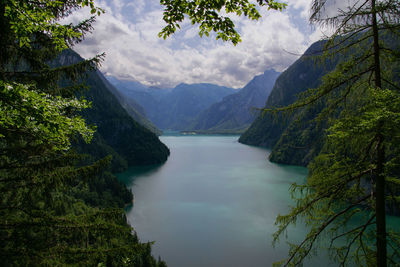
(213, 203)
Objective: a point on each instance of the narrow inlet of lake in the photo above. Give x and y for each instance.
(213, 203)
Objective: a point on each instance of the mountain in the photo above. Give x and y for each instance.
(234, 113)
(294, 138)
(135, 110)
(127, 84)
(117, 132)
(173, 108)
(186, 101)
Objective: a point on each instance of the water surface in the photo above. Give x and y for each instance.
(213, 203)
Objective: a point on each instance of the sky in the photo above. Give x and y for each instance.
(127, 33)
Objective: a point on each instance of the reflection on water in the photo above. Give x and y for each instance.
(214, 203)
(128, 177)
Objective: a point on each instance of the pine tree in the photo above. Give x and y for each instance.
(41, 220)
(356, 175)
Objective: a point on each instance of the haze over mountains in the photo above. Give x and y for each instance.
(173, 108)
(236, 112)
(208, 108)
(199, 107)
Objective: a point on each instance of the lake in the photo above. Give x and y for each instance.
(213, 203)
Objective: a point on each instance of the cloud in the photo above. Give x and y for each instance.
(128, 35)
(137, 6)
(301, 6)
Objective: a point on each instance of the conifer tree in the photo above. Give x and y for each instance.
(356, 175)
(41, 222)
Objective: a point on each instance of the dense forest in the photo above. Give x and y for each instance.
(63, 133)
(336, 111)
(58, 205)
(296, 138)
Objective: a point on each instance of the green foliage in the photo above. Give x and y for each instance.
(117, 133)
(353, 179)
(54, 209)
(133, 142)
(43, 117)
(294, 137)
(27, 18)
(103, 191)
(339, 188)
(209, 14)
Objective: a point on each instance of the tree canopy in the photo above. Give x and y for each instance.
(43, 222)
(46, 213)
(213, 16)
(356, 175)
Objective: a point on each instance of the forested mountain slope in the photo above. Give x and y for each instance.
(135, 110)
(59, 207)
(117, 132)
(295, 137)
(237, 111)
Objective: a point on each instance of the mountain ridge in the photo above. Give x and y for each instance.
(235, 112)
(294, 138)
(117, 132)
(173, 108)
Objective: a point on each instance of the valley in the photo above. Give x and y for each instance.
(127, 139)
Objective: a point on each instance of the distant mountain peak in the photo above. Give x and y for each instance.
(127, 84)
(271, 72)
(175, 108)
(236, 111)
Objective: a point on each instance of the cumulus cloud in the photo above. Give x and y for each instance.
(128, 35)
(301, 6)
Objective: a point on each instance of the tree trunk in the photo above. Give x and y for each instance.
(380, 176)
